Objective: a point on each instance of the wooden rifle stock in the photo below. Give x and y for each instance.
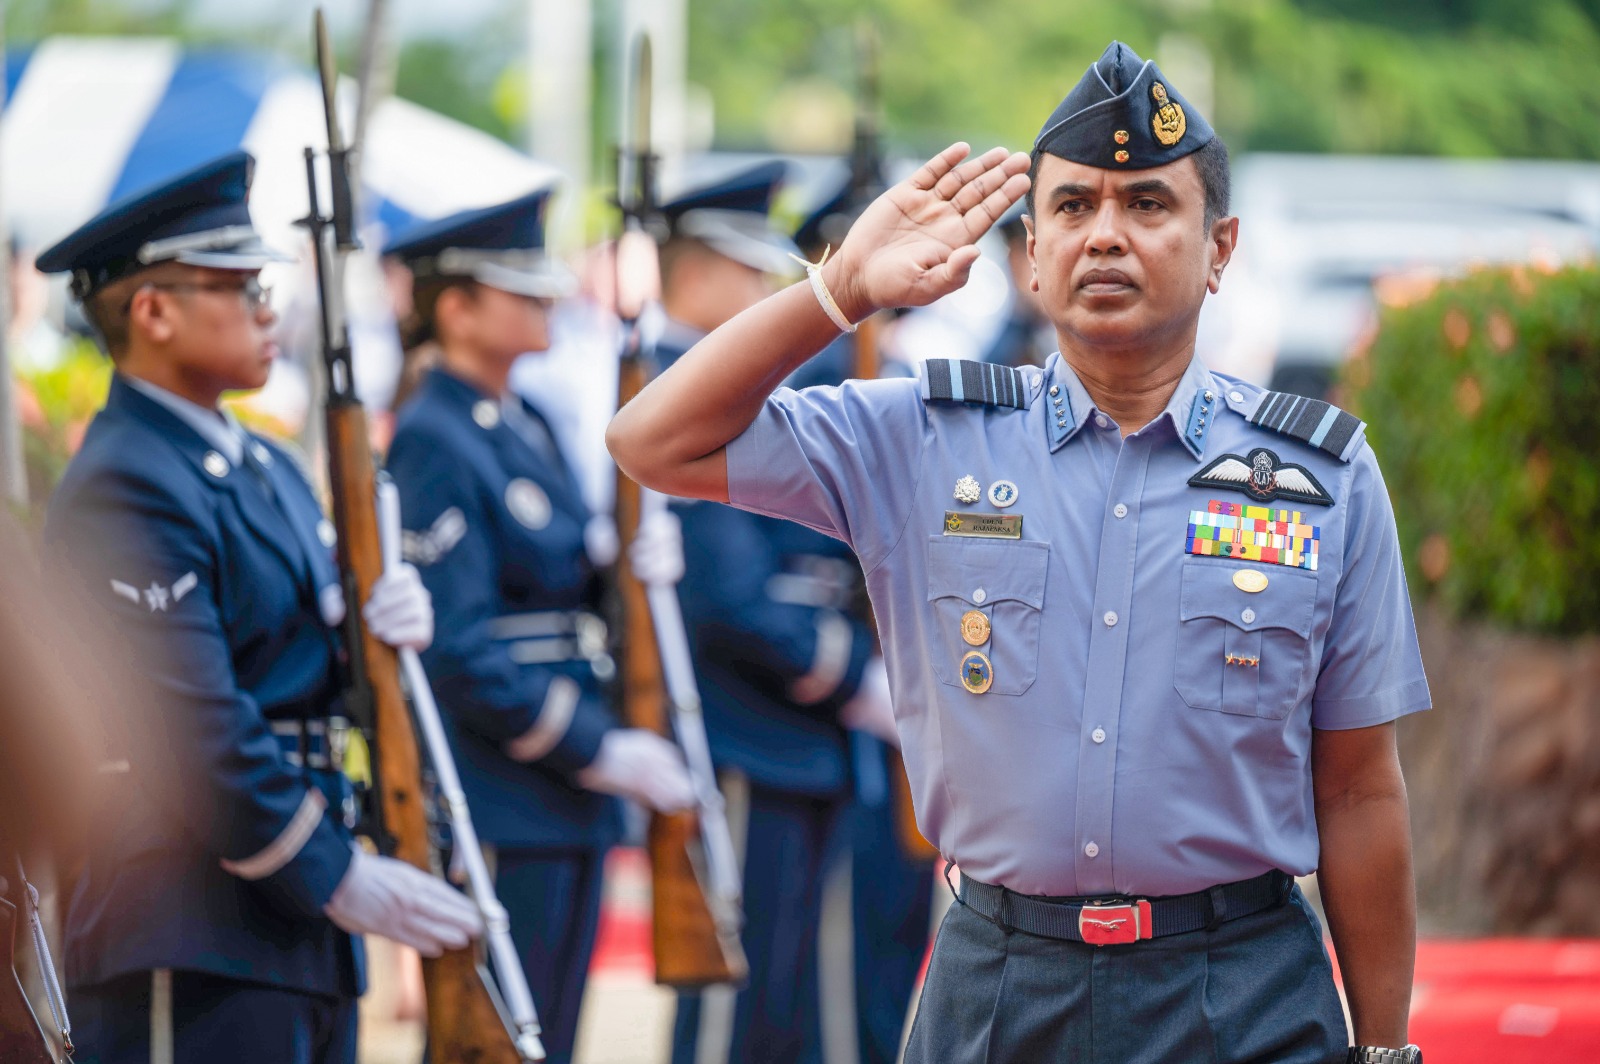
(689, 952)
(464, 1026)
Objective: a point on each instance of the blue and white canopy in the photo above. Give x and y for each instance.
(88, 120)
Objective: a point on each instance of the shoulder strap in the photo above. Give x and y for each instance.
(960, 380)
(1312, 421)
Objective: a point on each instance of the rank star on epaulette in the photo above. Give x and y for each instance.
(1263, 477)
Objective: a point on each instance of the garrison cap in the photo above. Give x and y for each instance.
(199, 217)
(732, 217)
(500, 246)
(1123, 115)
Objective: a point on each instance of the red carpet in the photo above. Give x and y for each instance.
(1507, 1001)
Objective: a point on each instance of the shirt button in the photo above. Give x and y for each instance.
(1111, 618)
(1120, 510)
(979, 595)
(1091, 850)
(1103, 421)
(1236, 397)
(1248, 616)
(1098, 735)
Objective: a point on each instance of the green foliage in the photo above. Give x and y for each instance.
(1464, 77)
(1482, 398)
(56, 406)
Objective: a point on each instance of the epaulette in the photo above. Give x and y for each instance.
(961, 380)
(1322, 425)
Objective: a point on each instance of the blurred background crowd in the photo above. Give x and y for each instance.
(1419, 189)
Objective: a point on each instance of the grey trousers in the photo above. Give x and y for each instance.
(1258, 989)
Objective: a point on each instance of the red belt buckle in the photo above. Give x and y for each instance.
(1115, 925)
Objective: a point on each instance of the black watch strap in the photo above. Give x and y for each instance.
(1376, 1055)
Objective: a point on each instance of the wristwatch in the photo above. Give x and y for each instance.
(1375, 1055)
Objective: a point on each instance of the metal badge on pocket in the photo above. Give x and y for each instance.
(975, 628)
(977, 674)
(983, 526)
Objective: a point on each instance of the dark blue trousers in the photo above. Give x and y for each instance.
(213, 1019)
(776, 1017)
(553, 898)
(891, 898)
(1258, 989)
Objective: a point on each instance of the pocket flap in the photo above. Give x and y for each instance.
(1289, 599)
(999, 569)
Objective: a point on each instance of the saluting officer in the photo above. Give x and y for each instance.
(779, 654)
(495, 519)
(215, 910)
(1147, 626)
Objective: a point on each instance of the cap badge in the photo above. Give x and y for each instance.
(1169, 122)
(974, 628)
(1120, 136)
(967, 490)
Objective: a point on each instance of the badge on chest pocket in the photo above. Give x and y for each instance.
(1244, 638)
(986, 599)
(528, 503)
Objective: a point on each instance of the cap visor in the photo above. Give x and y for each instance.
(549, 280)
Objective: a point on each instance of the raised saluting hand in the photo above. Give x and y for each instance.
(917, 241)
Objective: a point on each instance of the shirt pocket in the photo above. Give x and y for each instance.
(1241, 652)
(1003, 580)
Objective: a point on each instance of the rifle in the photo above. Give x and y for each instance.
(695, 878)
(867, 182)
(22, 1040)
(468, 1021)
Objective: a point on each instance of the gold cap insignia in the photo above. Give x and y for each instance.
(1169, 123)
(1121, 156)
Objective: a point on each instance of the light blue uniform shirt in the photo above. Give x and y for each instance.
(1148, 726)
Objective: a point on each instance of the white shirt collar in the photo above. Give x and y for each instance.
(217, 428)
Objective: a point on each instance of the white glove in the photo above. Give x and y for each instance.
(656, 555)
(400, 610)
(382, 896)
(641, 765)
(871, 710)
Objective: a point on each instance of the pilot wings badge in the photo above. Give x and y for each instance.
(1262, 477)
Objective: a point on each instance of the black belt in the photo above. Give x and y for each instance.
(1120, 920)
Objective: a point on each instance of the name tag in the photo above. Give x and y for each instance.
(983, 526)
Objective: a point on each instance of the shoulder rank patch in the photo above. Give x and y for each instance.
(962, 380)
(1312, 421)
(1263, 477)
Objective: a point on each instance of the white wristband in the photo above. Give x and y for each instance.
(819, 288)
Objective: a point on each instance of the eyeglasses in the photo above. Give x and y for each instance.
(253, 293)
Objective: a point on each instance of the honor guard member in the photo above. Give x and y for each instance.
(495, 520)
(223, 888)
(1147, 626)
(891, 898)
(779, 654)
